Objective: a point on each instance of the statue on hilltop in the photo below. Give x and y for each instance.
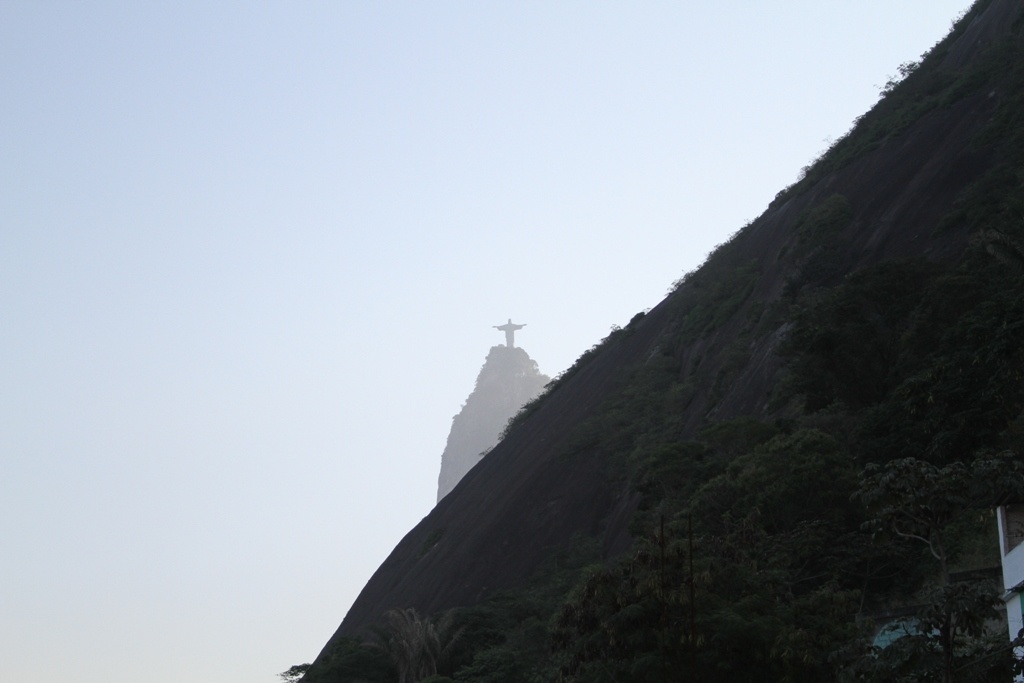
(509, 329)
(508, 380)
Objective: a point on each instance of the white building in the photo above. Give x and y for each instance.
(1011, 541)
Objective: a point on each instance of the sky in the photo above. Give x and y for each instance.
(252, 254)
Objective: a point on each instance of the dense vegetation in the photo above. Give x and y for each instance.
(780, 547)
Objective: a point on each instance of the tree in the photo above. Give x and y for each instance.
(917, 500)
(294, 674)
(416, 645)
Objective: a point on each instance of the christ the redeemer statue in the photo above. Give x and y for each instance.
(509, 329)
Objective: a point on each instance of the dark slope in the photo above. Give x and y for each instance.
(891, 189)
(509, 512)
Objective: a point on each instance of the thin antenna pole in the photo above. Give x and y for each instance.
(664, 605)
(693, 606)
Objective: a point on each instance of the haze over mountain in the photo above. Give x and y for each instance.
(872, 314)
(508, 380)
(252, 261)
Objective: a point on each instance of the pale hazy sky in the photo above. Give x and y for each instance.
(251, 254)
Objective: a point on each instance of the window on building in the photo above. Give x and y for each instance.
(1013, 526)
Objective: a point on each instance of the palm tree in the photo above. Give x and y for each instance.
(416, 645)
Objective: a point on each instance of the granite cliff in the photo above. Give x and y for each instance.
(870, 314)
(508, 380)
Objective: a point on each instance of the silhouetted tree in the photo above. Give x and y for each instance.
(294, 674)
(416, 645)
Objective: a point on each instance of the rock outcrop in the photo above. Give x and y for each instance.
(508, 380)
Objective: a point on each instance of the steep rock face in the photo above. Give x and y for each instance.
(507, 381)
(897, 184)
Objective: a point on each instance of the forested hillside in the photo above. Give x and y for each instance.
(801, 444)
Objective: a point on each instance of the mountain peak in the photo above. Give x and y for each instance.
(507, 381)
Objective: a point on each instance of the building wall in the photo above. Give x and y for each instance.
(1011, 540)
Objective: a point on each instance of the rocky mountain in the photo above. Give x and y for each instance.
(707, 489)
(508, 380)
